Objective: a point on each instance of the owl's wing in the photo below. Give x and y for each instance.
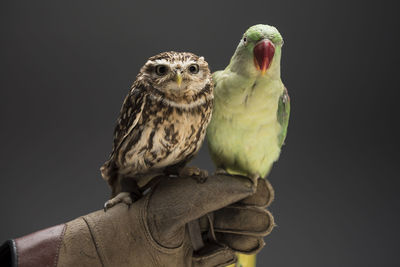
(283, 115)
(129, 116)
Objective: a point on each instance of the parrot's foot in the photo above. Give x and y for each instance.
(255, 178)
(198, 174)
(220, 171)
(123, 197)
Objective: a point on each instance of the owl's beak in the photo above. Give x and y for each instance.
(178, 79)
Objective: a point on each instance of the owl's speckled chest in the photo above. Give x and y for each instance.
(164, 136)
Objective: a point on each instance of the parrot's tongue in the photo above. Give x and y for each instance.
(263, 53)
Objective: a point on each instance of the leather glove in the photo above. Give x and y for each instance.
(153, 231)
(242, 225)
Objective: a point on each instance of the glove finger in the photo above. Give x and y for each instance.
(241, 243)
(214, 255)
(176, 201)
(243, 220)
(263, 197)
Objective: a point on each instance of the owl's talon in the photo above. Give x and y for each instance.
(202, 178)
(198, 174)
(123, 197)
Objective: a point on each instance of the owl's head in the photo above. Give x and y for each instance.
(176, 73)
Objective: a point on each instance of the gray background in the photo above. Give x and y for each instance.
(66, 67)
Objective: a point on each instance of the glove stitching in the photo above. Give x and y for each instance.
(221, 250)
(260, 245)
(96, 244)
(149, 237)
(258, 211)
(59, 241)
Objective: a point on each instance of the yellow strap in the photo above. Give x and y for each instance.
(245, 261)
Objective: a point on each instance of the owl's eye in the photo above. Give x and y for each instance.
(194, 68)
(161, 70)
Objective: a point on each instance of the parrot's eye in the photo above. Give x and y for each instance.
(244, 40)
(161, 70)
(194, 68)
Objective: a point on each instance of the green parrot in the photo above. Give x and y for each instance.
(251, 110)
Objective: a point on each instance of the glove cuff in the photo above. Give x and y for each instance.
(37, 249)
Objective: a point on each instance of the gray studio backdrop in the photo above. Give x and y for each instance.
(66, 66)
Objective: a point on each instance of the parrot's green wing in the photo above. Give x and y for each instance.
(216, 77)
(283, 115)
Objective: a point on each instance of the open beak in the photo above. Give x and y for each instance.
(178, 79)
(263, 53)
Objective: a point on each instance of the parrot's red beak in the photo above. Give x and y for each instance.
(263, 53)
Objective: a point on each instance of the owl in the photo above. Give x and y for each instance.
(161, 125)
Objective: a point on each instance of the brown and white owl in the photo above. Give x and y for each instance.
(162, 123)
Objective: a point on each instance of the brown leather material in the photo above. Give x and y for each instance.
(214, 255)
(195, 234)
(153, 231)
(40, 248)
(78, 247)
(242, 225)
(263, 197)
(181, 200)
